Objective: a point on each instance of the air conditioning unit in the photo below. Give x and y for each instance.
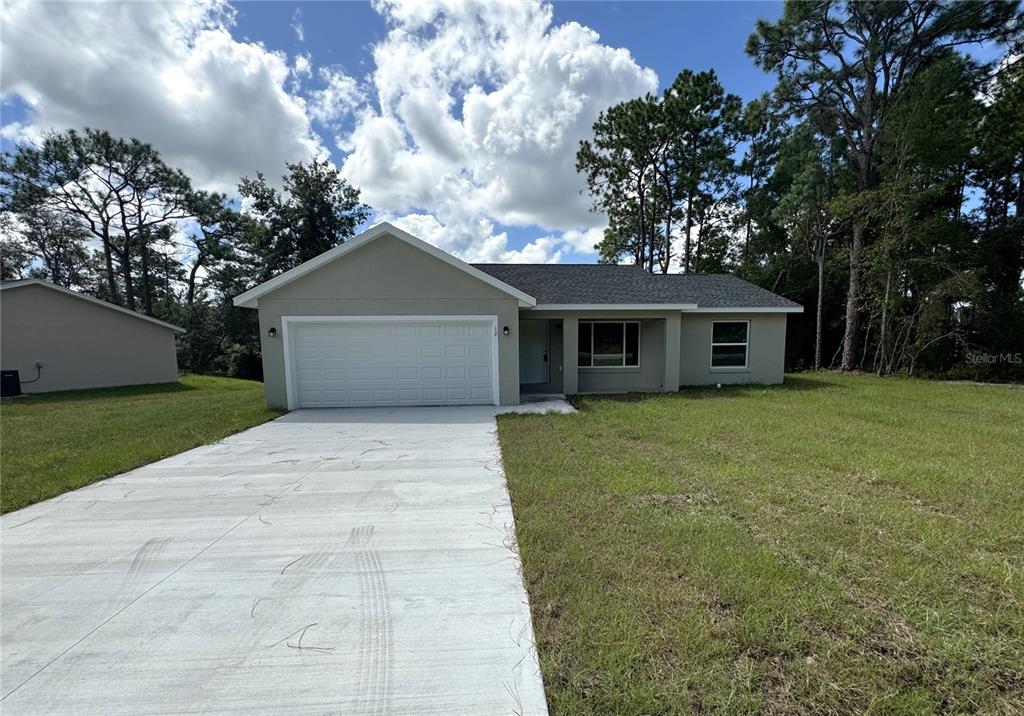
(10, 383)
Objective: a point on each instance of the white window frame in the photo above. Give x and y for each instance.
(745, 344)
(592, 321)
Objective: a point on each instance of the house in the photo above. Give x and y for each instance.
(387, 319)
(58, 339)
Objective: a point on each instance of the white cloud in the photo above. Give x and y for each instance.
(170, 74)
(300, 31)
(475, 240)
(583, 241)
(470, 118)
(302, 66)
(337, 99)
(480, 109)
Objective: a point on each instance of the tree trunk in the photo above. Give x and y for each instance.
(126, 273)
(700, 246)
(147, 292)
(821, 301)
(108, 260)
(666, 258)
(853, 299)
(883, 334)
(850, 336)
(191, 294)
(689, 227)
(642, 238)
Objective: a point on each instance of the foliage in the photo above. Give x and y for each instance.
(851, 61)
(316, 211)
(662, 166)
(880, 183)
(164, 248)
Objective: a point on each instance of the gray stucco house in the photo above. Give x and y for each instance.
(387, 319)
(58, 339)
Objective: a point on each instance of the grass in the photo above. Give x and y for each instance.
(839, 544)
(56, 442)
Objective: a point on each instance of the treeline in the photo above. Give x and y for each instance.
(108, 216)
(880, 184)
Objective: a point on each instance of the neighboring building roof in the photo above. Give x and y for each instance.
(569, 285)
(8, 285)
(249, 298)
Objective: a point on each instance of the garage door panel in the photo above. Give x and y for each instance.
(392, 362)
(431, 373)
(479, 393)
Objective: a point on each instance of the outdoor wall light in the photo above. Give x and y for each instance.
(505, 330)
(272, 332)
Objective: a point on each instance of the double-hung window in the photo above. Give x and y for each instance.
(729, 343)
(609, 344)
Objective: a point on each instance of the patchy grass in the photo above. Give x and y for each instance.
(839, 544)
(57, 442)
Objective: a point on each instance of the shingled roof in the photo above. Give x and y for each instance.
(614, 284)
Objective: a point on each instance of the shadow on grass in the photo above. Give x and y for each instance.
(792, 383)
(71, 396)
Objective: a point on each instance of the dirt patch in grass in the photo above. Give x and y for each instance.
(660, 500)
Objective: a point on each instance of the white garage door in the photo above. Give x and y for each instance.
(433, 361)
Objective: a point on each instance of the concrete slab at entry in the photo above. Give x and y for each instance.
(357, 561)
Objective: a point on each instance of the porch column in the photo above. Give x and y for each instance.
(673, 335)
(570, 348)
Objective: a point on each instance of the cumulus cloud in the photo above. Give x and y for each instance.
(338, 97)
(302, 66)
(170, 74)
(479, 110)
(468, 121)
(475, 240)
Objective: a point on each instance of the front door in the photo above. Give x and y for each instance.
(533, 351)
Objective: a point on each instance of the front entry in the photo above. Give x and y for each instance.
(534, 352)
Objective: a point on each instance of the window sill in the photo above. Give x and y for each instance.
(726, 369)
(609, 368)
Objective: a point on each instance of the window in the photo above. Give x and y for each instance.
(609, 344)
(729, 344)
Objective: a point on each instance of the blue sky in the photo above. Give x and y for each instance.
(459, 120)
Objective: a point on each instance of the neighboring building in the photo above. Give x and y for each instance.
(387, 319)
(80, 341)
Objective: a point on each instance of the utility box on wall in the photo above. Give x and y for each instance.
(10, 383)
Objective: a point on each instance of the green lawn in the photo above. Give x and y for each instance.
(57, 442)
(838, 544)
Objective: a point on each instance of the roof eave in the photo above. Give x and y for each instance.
(615, 306)
(249, 298)
(91, 299)
(747, 309)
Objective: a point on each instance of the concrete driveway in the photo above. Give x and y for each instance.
(332, 561)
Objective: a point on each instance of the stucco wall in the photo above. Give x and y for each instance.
(649, 376)
(766, 352)
(80, 344)
(387, 277)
